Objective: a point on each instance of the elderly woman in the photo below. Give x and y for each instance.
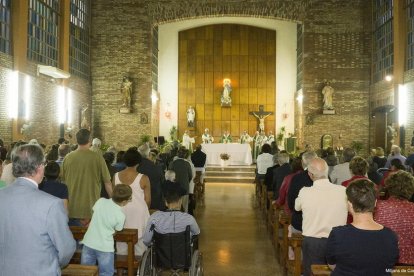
(397, 212)
(379, 157)
(358, 167)
(363, 247)
(264, 161)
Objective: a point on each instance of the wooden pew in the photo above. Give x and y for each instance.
(263, 199)
(129, 262)
(270, 213)
(284, 220)
(276, 226)
(294, 267)
(323, 270)
(80, 270)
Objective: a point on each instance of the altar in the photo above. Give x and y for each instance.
(240, 154)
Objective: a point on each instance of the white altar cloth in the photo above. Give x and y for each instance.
(240, 154)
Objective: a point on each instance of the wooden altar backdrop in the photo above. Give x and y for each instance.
(207, 55)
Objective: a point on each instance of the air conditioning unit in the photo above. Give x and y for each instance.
(52, 72)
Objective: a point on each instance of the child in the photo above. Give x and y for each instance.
(98, 243)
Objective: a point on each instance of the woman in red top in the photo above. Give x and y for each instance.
(397, 212)
(358, 167)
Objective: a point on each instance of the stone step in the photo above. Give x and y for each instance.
(230, 174)
(229, 180)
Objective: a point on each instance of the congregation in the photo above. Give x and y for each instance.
(342, 205)
(352, 213)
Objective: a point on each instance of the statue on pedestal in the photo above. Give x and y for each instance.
(126, 91)
(190, 116)
(327, 93)
(225, 96)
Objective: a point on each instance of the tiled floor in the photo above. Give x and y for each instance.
(233, 236)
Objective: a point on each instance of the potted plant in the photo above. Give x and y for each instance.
(224, 159)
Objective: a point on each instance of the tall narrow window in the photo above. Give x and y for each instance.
(383, 54)
(5, 26)
(410, 34)
(79, 38)
(43, 42)
(299, 56)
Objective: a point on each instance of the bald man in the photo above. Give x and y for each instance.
(324, 205)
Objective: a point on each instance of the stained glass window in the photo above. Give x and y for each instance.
(5, 26)
(43, 31)
(410, 34)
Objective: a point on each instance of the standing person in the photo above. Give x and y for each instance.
(34, 235)
(188, 141)
(83, 171)
(199, 159)
(245, 138)
(98, 243)
(136, 211)
(206, 137)
(3, 151)
(226, 137)
(323, 206)
(183, 173)
(364, 247)
(52, 185)
(155, 175)
(257, 145)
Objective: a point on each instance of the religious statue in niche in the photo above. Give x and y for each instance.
(327, 93)
(84, 116)
(126, 91)
(261, 116)
(190, 116)
(326, 141)
(226, 95)
(144, 118)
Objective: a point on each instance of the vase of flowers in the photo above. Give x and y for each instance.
(224, 159)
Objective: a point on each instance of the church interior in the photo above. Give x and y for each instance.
(312, 74)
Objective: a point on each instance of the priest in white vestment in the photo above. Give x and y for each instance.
(188, 141)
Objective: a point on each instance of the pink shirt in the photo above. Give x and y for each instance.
(399, 216)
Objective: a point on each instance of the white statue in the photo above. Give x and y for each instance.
(327, 92)
(190, 116)
(225, 97)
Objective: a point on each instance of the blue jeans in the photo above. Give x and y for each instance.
(105, 260)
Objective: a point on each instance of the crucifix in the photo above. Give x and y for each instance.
(261, 115)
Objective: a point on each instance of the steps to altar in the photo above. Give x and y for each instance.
(230, 174)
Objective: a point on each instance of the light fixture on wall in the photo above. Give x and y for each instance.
(52, 71)
(167, 113)
(402, 104)
(388, 78)
(13, 94)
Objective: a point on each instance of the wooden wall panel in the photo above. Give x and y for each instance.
(211, 53)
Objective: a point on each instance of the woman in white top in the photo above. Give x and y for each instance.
(136, 211)
(264, 161)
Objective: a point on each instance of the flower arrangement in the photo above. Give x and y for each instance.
(224, 156)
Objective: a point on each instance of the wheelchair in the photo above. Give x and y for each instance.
(176, 252)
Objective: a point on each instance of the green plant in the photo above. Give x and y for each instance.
(173, 133)
(224, 156)
(357, 146)
(281, 135)
(145, 138)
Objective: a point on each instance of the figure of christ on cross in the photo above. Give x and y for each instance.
(261, 115)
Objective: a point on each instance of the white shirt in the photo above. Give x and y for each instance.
(264, 161)
(340, 173)
(7, 175)
(324, 205)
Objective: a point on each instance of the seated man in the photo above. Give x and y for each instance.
(340, 172)
(172, 220)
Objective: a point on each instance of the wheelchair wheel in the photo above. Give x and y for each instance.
(146, 268)
(196, 268)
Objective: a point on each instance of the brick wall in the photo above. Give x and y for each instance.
(336, 48)
(44, 124)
